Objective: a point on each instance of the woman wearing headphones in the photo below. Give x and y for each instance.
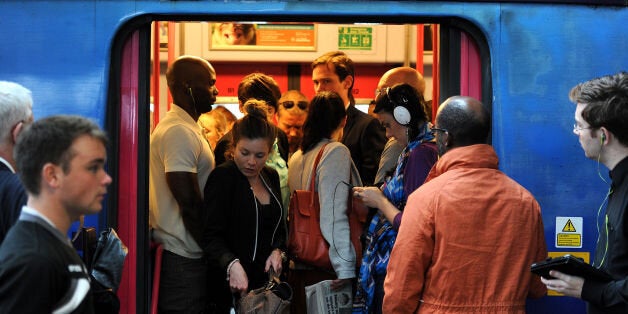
(400, 109)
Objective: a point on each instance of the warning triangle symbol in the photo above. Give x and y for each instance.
(569, 227)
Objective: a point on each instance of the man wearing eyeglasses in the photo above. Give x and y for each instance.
(602, 128)
(291, 115)
(362, 134)
(470, 233)
(15, 112)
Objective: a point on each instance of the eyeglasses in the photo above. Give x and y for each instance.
(289, 104)
(434, 130)
(577, 128)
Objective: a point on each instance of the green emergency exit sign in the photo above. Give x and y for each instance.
(355, 38)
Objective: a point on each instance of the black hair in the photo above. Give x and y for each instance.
(324, 115)
(408, 97)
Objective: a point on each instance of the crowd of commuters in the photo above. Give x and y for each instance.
(219, 191)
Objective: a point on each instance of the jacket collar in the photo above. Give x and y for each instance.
(6, 164)
(620, 172)
(472, 156)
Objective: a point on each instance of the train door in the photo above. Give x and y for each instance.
(460, 65)
(128, 122)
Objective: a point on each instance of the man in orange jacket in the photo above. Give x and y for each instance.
(470, 233)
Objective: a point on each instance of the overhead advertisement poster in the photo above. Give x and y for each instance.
(263, 36)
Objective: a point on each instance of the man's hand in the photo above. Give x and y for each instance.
(565, 284)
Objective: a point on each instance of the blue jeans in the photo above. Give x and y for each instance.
(183, 284)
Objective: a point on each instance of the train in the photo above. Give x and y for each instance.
(97, 58)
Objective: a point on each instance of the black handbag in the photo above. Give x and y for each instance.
(106, 271)
(273, 298)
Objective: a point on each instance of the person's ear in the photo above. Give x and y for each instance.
(16, 130)
(449, 141)
(343, 122)
(348, 82)
(50, 175)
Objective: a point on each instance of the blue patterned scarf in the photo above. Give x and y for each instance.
(380, 236)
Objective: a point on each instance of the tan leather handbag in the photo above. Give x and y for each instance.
(273, 298)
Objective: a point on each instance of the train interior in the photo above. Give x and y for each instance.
(284, 50)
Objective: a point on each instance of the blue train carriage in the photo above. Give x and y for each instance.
(520, 58)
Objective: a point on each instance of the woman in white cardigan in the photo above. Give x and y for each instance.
(325, 121)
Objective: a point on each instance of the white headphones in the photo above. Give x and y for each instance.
(402, 115)
(400, 112)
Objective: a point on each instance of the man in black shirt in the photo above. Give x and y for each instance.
(601, 125)
(62, 166)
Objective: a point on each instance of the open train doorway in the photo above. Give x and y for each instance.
(451, 54)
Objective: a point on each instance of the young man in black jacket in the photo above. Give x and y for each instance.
(601, 119)
(62, 165)
(362, 134)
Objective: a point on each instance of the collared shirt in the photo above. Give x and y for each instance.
(40, 271)
(6, 163)
(33, 212)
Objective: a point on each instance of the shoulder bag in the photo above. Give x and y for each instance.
(305, 241)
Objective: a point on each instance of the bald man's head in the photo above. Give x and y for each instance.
(192, 81)
(466, 120)
(402, 75)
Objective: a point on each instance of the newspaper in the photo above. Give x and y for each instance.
(321, 299)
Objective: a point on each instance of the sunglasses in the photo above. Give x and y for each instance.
(289, 104)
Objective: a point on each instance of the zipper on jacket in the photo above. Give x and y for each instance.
(272, 239)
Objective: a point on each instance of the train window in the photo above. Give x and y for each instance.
(451, 54)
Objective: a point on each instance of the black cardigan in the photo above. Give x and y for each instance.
(230, 223)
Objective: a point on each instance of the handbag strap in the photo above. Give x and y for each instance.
(318, 158)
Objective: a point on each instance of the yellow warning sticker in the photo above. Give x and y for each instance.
(569, 239)
(568, 232)
(569, 227)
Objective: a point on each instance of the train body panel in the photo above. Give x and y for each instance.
(63, 51)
